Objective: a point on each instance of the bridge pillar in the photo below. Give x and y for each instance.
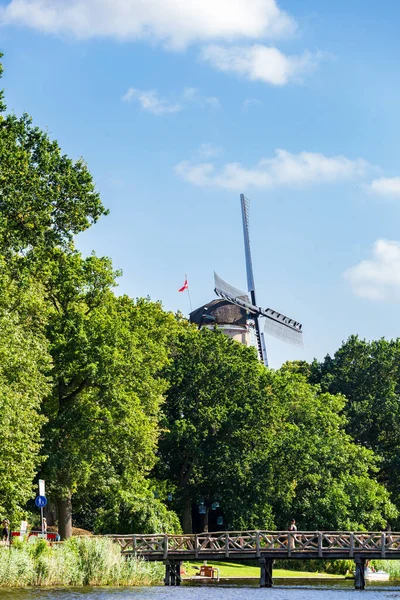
(167, 578)
(266, 565)
(360, 572)
(172, 572)
(178, 578)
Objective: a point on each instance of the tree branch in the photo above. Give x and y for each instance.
(71, 395)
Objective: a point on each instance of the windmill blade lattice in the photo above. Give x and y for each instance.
(222, 287)
(285, 333)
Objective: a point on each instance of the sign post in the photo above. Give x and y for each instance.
(41, 501)
(42, 492)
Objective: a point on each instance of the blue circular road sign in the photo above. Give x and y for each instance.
(40, 501)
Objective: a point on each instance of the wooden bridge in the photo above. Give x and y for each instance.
(264, 546)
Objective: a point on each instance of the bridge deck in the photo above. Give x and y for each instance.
(250, 545)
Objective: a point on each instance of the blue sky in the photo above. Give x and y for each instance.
(179, 106)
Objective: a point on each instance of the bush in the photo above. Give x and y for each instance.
(76, 562)
(141, 513)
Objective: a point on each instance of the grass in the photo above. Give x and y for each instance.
(236, 570)
(76, 562)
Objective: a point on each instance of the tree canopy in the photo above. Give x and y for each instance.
(265, 445)
(368, 374)
(24, 362)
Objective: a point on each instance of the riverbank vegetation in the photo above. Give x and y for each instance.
(138, 421)
(76, 562)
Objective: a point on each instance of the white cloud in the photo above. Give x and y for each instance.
(151, 101)
(385, 186)
(284, 169)
(260, 62)
(379, 277)
(176, 23)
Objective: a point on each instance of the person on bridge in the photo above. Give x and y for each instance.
(292, 527)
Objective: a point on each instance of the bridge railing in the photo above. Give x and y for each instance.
(229, 543)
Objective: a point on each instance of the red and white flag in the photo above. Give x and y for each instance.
(184, 287)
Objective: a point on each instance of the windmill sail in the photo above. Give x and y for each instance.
(262, 350)
(285, 334)
(282, 327)
(246, 234)
(222, 288)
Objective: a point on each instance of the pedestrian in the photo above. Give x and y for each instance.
(389, 539)
(292, 527)
(5, 533)
(44, 525)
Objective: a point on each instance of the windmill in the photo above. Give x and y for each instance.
(275, 324)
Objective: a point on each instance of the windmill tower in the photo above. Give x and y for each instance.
(244, 323)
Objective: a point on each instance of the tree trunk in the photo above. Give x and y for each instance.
(65, 518)
(50, 512)
(187, 525)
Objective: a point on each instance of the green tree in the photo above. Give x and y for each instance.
(24, 362)
(45, 197)
(314, 470)
(208, 426)
(103, 413)
(268, 446)
(368, 374)
(133, 508)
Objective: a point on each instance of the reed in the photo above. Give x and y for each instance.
(76, 562)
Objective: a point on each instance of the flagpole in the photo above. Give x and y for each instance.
(188, 291)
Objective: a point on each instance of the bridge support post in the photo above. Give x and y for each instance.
(172, 572)
(360, 573)
(178, 572)
(266, 565)
(167, 578)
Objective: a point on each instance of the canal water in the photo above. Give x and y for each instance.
(294, 591)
